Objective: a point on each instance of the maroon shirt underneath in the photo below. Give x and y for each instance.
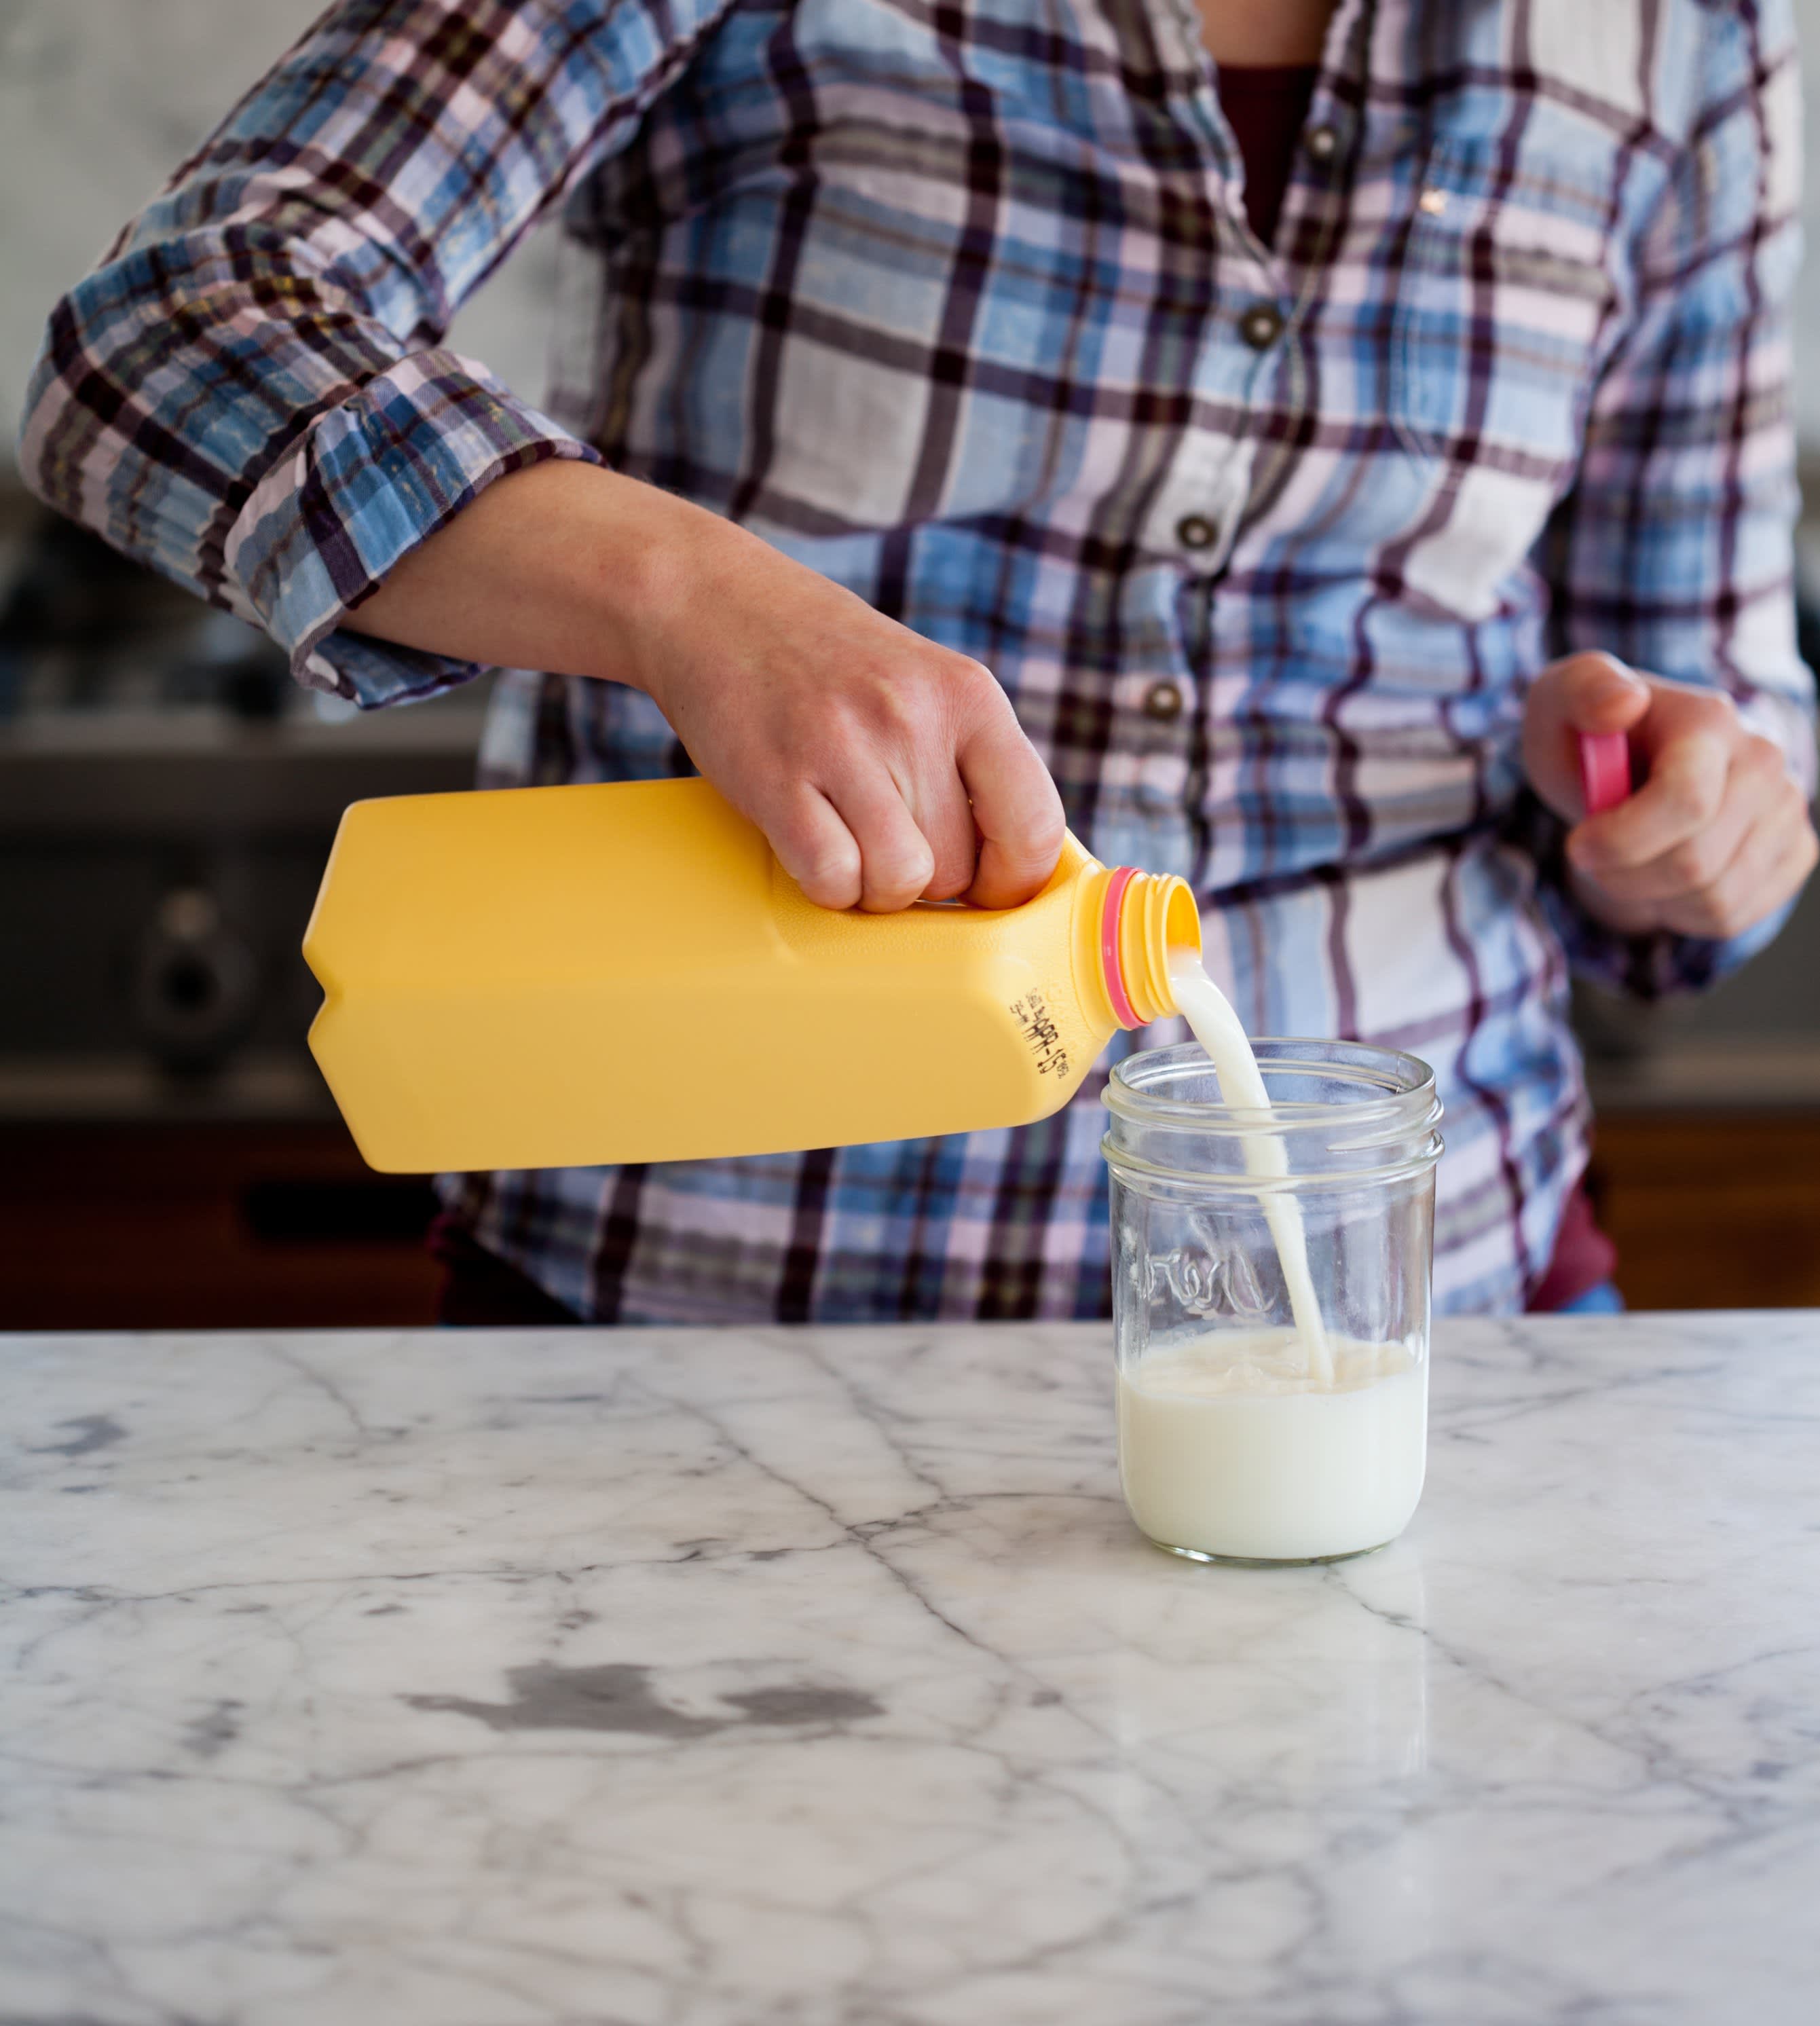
(1265, 105)
(1584, 1257)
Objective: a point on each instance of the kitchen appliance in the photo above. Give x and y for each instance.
(167, 799)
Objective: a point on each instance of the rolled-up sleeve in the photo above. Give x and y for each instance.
(1674, 550)
(251, 394)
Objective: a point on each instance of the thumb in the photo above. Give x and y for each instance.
(1594, 693)
(1582, 693)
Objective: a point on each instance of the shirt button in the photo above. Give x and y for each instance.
(1195, 531)
(1322, 143)
(1261, 326)
(1163, 701)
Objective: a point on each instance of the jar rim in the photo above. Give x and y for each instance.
(1408, 1100)
(1160, 1145)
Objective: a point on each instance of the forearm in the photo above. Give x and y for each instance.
(550, 568)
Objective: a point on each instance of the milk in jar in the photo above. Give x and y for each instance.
(1228, 1446)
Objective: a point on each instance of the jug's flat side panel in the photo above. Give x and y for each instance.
(533, 885)
(563, 976)
(514, 1079)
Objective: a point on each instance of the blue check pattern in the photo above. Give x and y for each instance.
(955, 301)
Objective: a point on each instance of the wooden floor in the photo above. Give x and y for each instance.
(275, 1227)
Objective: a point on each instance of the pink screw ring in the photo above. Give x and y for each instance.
(1604, 770)
(1112, 969)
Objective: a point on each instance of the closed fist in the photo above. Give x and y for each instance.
(1718, 835)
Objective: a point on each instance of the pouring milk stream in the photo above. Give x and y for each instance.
(1216, 1027)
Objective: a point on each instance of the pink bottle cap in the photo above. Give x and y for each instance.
(1604, 770)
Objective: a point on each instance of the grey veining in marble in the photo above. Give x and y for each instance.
(819, 1679)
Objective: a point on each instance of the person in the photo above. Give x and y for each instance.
(1258, 438)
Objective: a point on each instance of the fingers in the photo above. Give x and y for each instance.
(887, 818)
(1690, 867)
(1016, 809)
(864, 847)
(896, 860)
(1769, 869)
(1725, 875)
(1597, 693)
(1786, 875)
(1583, 693)
(940, 808)
(1692, 740)
(816, 848)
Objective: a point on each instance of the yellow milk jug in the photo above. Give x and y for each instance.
(539, 977)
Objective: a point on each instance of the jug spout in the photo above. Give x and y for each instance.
(1133, 923)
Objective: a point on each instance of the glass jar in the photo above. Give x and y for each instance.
(1239, 1439)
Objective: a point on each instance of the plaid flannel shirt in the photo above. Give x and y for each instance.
(955, 300)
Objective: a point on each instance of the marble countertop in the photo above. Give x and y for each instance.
(818, 1678)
